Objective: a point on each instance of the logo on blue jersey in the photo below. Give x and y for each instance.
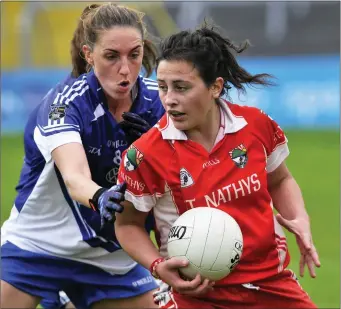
(57, 112)
(132, 159)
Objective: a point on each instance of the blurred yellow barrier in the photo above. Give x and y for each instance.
(10, 24)
(52, 26)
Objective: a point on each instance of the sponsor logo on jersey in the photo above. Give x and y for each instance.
(57, 112)
(186, 179)
(239, 156)
(94, 150)
(210, 163)
(132, 158)
(111, 176)
(233, 191)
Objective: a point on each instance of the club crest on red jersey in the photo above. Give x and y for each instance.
(239, 156)
(186, 179)
(132, 158)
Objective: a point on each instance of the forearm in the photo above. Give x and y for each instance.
(136, 242)
(81, 188)
(287, 199)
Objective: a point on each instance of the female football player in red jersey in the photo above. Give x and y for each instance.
(200, 134)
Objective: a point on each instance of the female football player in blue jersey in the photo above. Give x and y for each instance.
(60, 234)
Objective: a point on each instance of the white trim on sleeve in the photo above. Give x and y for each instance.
(277, 157)
(46, 144)
(63, 138)
(143, 203)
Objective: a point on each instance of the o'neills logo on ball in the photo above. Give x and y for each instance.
(177, 232)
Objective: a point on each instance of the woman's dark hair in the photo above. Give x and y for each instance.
(212, 55)
(96, 18)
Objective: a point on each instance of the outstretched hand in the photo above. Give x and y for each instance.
(301, 228)
(109, 203)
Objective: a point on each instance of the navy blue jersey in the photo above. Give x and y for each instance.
(74, 111)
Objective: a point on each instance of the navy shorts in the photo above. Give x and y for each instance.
(45, 275)
(55, 304)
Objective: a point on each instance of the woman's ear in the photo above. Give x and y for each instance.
(88, 54)
(217, 87)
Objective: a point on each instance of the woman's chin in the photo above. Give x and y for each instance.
(182, 126)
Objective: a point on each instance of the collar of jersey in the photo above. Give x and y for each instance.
(233, 124)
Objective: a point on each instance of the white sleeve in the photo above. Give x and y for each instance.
(46, 144)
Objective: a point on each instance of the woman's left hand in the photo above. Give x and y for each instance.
(301, 228)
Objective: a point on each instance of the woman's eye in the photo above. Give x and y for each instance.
(179, 88)
(111, 57)
(135, 55)
(163, 88)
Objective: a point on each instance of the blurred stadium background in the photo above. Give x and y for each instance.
(298, 42)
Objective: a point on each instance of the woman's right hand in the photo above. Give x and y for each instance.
(169, 273)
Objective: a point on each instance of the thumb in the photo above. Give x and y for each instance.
(284, 222)
(176, 262)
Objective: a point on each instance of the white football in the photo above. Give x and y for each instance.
(210, 239)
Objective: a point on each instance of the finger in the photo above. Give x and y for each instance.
(187, 286)
(134, 118)
(135, 126)
(284, 222)
(315, 257)
(108, 216)
(116, 197)
(311, 266)
(302, 264)
(175, 263)
(136, 133)
(119, 188)
(306, 241)
(202, 289)
(127, 126)
(122, 187)
(114, 207)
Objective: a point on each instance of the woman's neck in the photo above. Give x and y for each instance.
(206, 133)
(118, 107)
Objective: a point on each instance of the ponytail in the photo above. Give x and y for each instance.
(79, 64)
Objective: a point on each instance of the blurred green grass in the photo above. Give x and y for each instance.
(314, 162)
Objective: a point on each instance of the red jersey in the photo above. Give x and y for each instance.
(170, 174)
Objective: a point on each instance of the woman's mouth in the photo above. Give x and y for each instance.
(175, 115)
(124, 86)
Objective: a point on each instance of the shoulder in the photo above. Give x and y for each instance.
(248, 112)
(68, 92)
(258, 122)
(67, 99)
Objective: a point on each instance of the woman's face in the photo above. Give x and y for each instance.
(184, 95)
(116, 59)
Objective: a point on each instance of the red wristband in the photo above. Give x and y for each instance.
(152, 267)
